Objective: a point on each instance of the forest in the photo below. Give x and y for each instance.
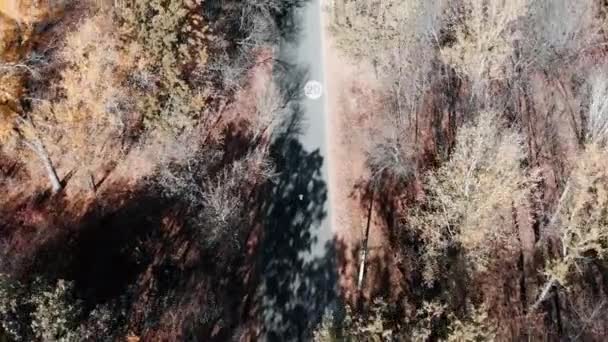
(154, 186)
(138, 143)
(488, 161)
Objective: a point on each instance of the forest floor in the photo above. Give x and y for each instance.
(353, 97)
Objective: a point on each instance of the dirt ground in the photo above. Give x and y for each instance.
(353, 97)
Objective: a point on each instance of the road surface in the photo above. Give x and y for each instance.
(309, 54)
(299, 271)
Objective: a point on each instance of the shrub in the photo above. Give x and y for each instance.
(11, 314)
(56, 314)
(476, 327)
(167, 41)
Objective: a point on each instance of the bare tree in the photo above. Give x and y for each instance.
(271, 106)
(557, 30)
(580, 219)
(15, 124)
(400, 40)
(21, 127)
(261, 20)
(391, 157)
(485, 36)
(29, 135)
(216, 201)
(28, 66)
(470, 197)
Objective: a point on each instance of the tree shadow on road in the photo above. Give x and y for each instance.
(297, 271)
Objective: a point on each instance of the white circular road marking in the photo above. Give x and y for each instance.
(313, 90)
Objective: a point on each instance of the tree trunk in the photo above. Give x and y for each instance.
(558, 312)
(38, 148)
(50, 171)
(544, 293)
(521, 262)
(34, 143)
(365, 244)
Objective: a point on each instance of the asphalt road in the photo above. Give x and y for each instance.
(309, 54)
(298, 265)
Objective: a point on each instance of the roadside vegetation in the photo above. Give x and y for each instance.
(488, 161)
(154, 189)
(135, 140)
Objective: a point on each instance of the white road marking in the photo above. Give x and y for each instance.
(313, 90)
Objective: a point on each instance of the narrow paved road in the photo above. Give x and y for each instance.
(298, 265)
(309, 54)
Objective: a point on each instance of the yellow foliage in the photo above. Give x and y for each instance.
(485, 35)
(29, 11)
(582, 220)
(6, 124)
(476, 327)
(394, 36)
(425, 318)
(170, 39)
(91, 82)
(11, 79)
(470, 198)
(356, 327)
(9, 39)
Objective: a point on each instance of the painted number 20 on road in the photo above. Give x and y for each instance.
(313, 89)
